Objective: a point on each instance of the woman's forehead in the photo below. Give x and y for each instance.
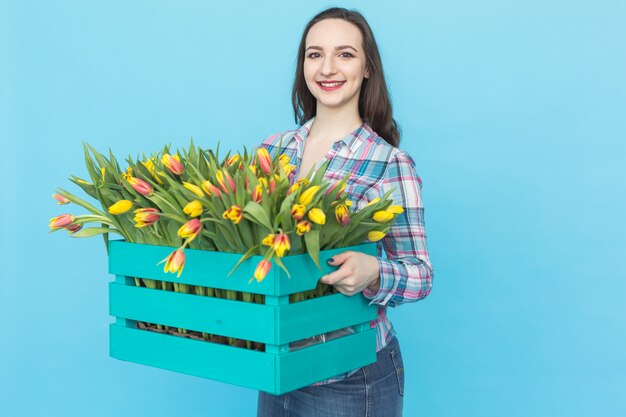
(331, 33)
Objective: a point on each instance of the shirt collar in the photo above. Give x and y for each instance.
(353, 140)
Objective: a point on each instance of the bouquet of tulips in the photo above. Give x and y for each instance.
(244, 203)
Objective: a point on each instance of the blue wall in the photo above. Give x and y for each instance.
(515, 112)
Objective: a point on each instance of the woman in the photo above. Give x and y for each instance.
(340, 99)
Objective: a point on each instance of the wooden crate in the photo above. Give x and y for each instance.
(276, 323)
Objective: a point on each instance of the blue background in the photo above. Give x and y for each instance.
(515, 112)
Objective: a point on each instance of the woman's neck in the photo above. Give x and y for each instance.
(332, 124)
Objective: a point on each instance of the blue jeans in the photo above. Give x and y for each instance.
(376, 390)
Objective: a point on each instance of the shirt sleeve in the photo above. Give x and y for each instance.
(406, 275)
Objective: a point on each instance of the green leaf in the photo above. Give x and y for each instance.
(92, 231)
(282, 265)
(312, 240)
(245, 256)
(258, 214)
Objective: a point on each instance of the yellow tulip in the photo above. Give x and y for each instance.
(342, 214)
(307, 196)
(175, 262)
(281, 244)
(193, 188)
(190, 230)
(374, 201)
(269, 240)
(375, 235)
(303, 227)
(193, 208)
(395, 209)
(121, 207)
(297, 211)
(382, 216)
(262, 269)
(317, 216)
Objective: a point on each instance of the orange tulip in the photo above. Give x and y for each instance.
(303, 227)
(60, 199)
(264, 160)
(222, 178)
(262, 269)
(140, 186)
(175, 262)
(257, 193)
(211, 189)
(297, 211)
(281, 244)
(146, 216)
(234, 213)
(190, 230)
(73, 227)
(342, 214)
(172, 163)
(61, 221)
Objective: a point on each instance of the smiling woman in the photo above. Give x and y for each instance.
(342, 105)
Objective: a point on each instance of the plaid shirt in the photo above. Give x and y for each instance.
(376, 167)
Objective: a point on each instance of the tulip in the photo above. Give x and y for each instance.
(297, 211)
(288, 169)
(193, 188)
(264, 182)
(211, 189)
(374, 201)
(190, 230)
(234, 213)
(281, 244)
(121, 207)
(172, 163)
(81, 181)
(382, 216)
(102, 171)
(257, 193)
(149, 164)
(146, 216)
(140, 186)
(269, 240)
(342, 214)
(303, 227)
(60, 199)
(283, 159)
(375, 235)
(264, 160)
(395, 209)
(317, 216)
(174, 262)
(262, 269)
(307, 196)
(232, 160)
(193, 208)
(224, 175)
(61, 221)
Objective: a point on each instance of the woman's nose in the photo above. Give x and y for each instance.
(328, 67)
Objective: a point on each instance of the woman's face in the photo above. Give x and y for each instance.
(334, 54)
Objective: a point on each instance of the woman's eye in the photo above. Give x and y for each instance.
(347, 53)
(311, 55)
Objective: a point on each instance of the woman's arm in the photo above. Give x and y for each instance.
(406, 275)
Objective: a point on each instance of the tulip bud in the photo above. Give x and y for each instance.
(382, 216)
(257, 193)
(175, 262)
(297, 211)
(193, 188)
(190, 230)
(375, 235)
(265, 161)
(269, 239)
(140, 186)
(193, 209)
(172, 163)
(234, 213)
(281, 244)
(374, 201)
(61, 221)
(73, 228)
(211, 189)
(262, 269)
(307, 195)
(303, 227)
(146, 216)
(316, 215)
(60, 199)
(395, 209)
(342, 214)
(121, 207)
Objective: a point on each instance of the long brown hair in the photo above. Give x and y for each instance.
(374, 103)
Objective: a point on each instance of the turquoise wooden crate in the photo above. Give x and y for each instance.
(276, 323)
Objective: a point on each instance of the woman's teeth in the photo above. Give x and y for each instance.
(332, 84)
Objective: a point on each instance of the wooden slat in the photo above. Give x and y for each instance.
(230, 318)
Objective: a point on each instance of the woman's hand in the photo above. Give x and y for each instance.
(356, 272)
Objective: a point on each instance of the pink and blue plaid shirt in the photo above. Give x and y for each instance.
(376, 167)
